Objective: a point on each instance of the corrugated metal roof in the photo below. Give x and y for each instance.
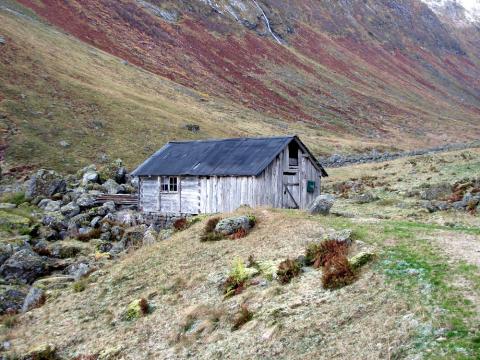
(225, 157)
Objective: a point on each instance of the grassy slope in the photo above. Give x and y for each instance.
(419, 298)
(336, 93)
(57, 88)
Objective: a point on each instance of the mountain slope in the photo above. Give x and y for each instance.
(367, 72)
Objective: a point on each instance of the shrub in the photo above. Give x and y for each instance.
(244, 315)
(287, 270)
(79, 286)
(209, 233)
(92, 234)
(252, 220)
(236, 280)
(320, 253)
(337, 273)
(180, 224)
(238, 234)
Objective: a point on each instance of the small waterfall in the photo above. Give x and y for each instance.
(267, 22)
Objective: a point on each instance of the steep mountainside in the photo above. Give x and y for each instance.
(391, 72)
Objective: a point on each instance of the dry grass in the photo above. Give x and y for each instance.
(305, 314)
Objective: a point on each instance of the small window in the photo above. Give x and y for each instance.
(293, 154)
(168, 184)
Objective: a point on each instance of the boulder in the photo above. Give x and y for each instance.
(109, 205)
(70, 210)
(321, 205)
(133, 236)
(48, 233)
(436, 192)
(24, 266)
(95, 222)
(116, 232)
(86, 200)
(79, 270)
(6, 250)
(365, 198)
(11, 299)
(45, 183)
(230, 225)
(52, 206)
(344, 235)
(35, 298)
(90, 176)
(65, 251)
(111, 187)
(150, 237)
(361, 259)
(55, 220)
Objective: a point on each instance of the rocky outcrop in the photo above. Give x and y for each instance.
(24, 266)
(321, 205)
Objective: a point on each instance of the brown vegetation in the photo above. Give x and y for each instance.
(287, 270)
(337, 273)
(319, 254)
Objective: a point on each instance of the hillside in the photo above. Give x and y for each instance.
(346, 76)
(419, 298)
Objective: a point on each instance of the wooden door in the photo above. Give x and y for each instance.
(291, 191)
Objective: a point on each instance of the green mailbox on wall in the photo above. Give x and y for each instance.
(310, 186)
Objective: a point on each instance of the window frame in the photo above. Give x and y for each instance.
(169, 184)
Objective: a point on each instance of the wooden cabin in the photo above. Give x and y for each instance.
(210, 176)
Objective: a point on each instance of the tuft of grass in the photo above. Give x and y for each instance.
(287, 270)
(337, 273)
(319, 254)
(16, 198)
(79, 286)
(9, 320)
(209, 233)
(244, 315)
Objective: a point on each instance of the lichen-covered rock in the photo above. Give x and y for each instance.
(45, 183)
(11, 299)
(41, 352)
(361, 259)
(70, 210)
(111, 187)
(24, 266)
(47, 233)
(133, 236)
(6, 250)
(50, 205)
(230, 225)
(136, 309)
(86, 200)
(150, 237)
(365, 198)
(55, 220)
(35, 298)
(321, 205)
(344, 235)
(436, 192)
(79, 270)
(90, 176)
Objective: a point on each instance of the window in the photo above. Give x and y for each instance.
(293, 154)
(168, 184)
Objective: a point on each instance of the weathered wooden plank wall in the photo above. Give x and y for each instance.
(211, 194)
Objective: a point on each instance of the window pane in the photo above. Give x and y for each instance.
(173, 184)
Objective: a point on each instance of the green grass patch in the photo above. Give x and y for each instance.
(426, 278)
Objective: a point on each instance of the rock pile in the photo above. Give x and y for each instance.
(68, 233)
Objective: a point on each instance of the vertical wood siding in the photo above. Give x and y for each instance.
(211, 194)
